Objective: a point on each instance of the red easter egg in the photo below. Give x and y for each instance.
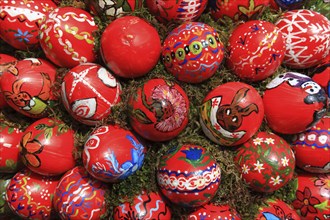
(88, 93)
(192, 52)
(78, 196)
(27, 87)
(176, 11)
(211, 211)
(231, 113)
(47, 147)
(145, 206)
(188, 175)
(276, 209)
(6, 61)
(66, 36)
(113, 9)
(313, 196)
(321, 75)
(256, 49)
(266, 162)
(312, 147)
(158, 111)
(29, 195)
(237, 10)
(307, 35)
(111, 154)
(130, 46)
(20, 21)
(285, 98)
(9, 143)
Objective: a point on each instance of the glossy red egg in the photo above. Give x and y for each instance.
(256, 49)
(321, 74)
(159, 109)
(192, 52)
(47, 147)
(113, 9)
(78, 196)
(130, 47)
(145, 206)
(6, 62)
(188, 175)
(29, 195)
(293, 103)
(20, 21)
(27, 87)
(176, 11)
(111, 154)
(313, 196)
(231, 113)
(211, 211)
(266, 162)
(312, 148)
(307, 36)
(88, 93)
(276, 209)
(66, 36)
(237, 10)
(9, 152)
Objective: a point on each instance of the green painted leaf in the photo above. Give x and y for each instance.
(10, 130)
(11, 164)
(62, 128)
(48, 133)
(323, 206)
(40, 127)
(141, 117)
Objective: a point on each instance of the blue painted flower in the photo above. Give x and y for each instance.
(20, 36)
(193, 153)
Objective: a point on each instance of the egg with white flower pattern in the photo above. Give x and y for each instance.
(266, 162)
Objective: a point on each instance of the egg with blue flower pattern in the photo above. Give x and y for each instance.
(111, 154)
(188, 175)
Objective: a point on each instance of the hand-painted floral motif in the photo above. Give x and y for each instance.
(323, 182)
(276, 210)
(305, 202)
(30, 148)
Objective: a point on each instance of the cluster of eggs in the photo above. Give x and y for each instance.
(43, 157)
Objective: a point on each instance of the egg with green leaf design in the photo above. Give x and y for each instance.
(266, 162)
(188, 175)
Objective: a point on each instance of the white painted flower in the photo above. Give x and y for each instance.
(285, 161)
(311, 137)
(245, 169)
(259, 166)
(276, 180)
(269, 141)
(323, 139)
(257, 141)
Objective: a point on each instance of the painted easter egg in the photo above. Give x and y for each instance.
(211, 211)
(47, 147)
(158, 111)
(114, 9)
(66, 36)
(192, 52)
(237, 10)
(9, 143)
(20, 21)
(78, 196)
(27, 87)
(313, 196)
(6, 62)
(266, 162)
(256, 49)
(88, 93)
(176, 11)
(188, 176)
(231, 113)
(286, 96)
(276, 209)
(111, 154)
(312, 147)
(307, 35)
(145, 206)
(130, 47)
(29, 195)
(287, 4)
(321, 74)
